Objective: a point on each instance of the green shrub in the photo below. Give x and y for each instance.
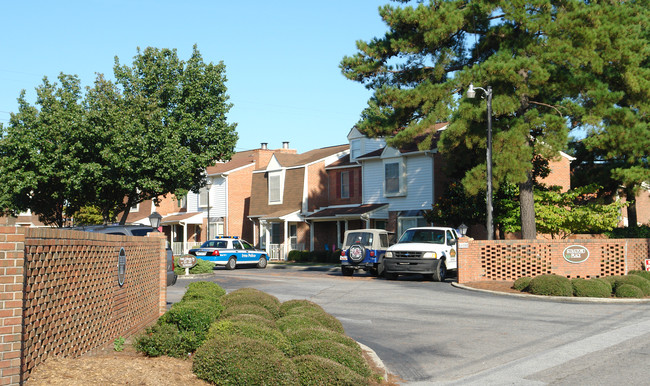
(593, 288)
(251, 309)
(521, 284)
(237, 360)
(550, 285)
(323, 318)
(606, 283)
(252, 296)
(299, 256)
(321, 333)
(628, 291)
(291, 323)
(290, 304)
(635, 280)
(203, 290)
(316, 370)
(165, 339)
(251, 330)
(640, 232)
(335, 351)
(252, 319)
(193, 315)
(202, 266)
(643, 274)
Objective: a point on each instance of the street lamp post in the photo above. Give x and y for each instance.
(471, 93)
(208, 185)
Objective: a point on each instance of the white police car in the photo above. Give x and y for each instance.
(230, 252)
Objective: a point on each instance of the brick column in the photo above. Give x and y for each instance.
(12, 258)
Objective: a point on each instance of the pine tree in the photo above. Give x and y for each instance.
(540, 58)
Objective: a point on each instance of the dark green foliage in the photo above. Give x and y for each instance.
(321, 333)
(247, 309)
(639, 232)
(252, 296)
(290, 304)
(522, 283)
(323, 318)
(635, 280)
(628, 291)
(316, 370)
(337, 352)
(202, 266)
(250, 318)
(295, 322)
(592, 288)
(236, 360)
(203, 290)
(251, 330)
(315, 256)
(643, 274)
(606, 283)
(193, 315)
(550, 285)
(165, 339)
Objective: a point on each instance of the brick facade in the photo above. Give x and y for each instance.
(511, 259)
(60, 294)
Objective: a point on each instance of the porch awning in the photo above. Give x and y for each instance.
(183, 218)
(290, 215)
(350, 212)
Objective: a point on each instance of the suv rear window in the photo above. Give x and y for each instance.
(361, 238)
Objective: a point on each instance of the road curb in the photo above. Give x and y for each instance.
(375, 359)
(563, 299)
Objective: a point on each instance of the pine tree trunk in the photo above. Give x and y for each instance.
(527, 209)
(631, 209)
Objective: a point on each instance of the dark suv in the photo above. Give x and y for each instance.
(133, 230)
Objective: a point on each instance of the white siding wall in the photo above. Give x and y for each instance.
(218, 194)
(419, 184)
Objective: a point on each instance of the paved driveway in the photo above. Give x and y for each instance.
(434, 333)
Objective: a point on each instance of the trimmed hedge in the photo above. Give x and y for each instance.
(237, 360)
(165, 339)
(323, 318)
(202, 266)
(522, 283)
(290, 323)
(251, 330)
(315, 256)
(252, 296)
(628, 291)
(643, 274)
(193, 315)
(290, 304)
(203, 290)
(321, 333)
(316, 370)
(337, 352)
(635, 280)
(250, 318)
(251, 309)
(550, 285)
(591, 288)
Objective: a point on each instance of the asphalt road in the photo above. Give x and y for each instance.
(434, 333)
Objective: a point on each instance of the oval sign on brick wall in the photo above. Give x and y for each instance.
(576, 254)
(121, 267)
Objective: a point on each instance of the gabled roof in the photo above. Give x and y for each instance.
(238, 160)
(412, 146)
(342, 163)
(350, 211)
(289, 160)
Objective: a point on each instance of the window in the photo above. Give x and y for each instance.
(404, 223)
(216, 229)
(203, 198)
(182, 202)
(276, 233)
(246, 245)
(355, 149)
(275, 188)
(345, 184)
(391, 171)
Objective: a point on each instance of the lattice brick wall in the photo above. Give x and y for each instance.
(509, 262)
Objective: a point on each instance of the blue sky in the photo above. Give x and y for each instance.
(281, 57)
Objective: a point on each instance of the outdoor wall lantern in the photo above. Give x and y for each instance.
(462, 228)
(471, 93)
(154, 219)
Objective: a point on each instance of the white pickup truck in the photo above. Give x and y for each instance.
(428, 251)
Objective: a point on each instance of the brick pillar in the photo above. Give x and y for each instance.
(12, 258)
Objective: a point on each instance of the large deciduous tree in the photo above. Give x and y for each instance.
(539, 57)
(152, 132)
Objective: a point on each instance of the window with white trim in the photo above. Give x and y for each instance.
(355, 149)
(275, 187)
(391, 177)
(345, 184)
(203, 198)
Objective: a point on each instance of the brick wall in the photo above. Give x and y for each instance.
(239, 193)
(64, 291)
(511, 259)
